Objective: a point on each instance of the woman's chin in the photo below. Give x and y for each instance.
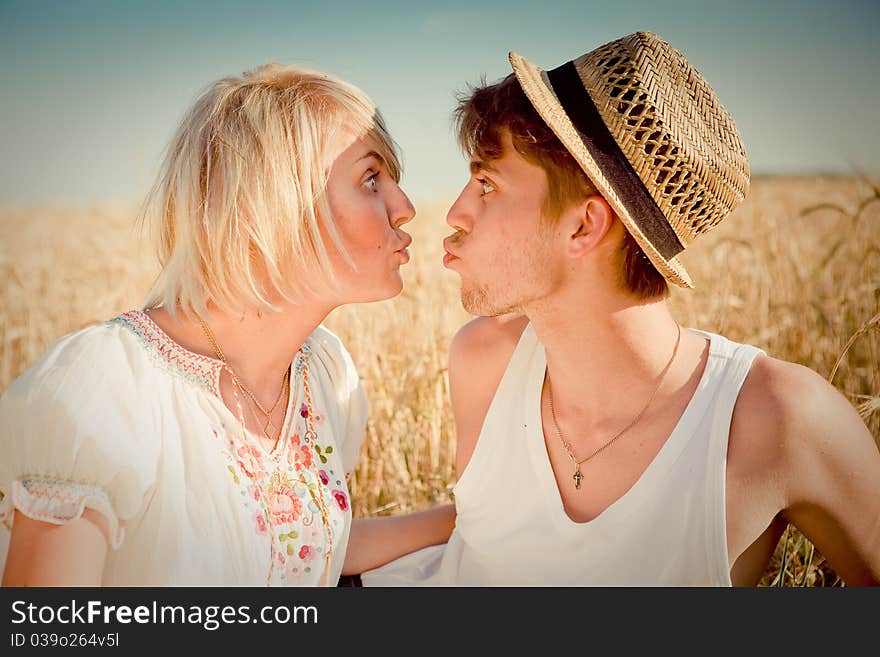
(394, 288)
(387, 290)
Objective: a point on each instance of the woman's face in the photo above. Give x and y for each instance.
(369, 208)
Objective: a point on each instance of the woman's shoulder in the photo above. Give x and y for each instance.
(343, 384)
(95, 357)
(329, 350)
(327, 341)
(75, 432)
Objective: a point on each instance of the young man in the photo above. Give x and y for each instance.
(598, 441)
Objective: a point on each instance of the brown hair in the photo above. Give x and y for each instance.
(482, 117)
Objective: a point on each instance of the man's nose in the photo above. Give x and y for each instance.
(459, 216)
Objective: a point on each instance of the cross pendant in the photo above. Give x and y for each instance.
(577, 477)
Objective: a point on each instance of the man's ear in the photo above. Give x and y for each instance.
(586, 224)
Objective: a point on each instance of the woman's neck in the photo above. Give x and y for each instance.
(257, 346)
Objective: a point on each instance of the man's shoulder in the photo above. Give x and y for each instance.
(478, 357)
(780, 392)
(782, 408)
(487, 338)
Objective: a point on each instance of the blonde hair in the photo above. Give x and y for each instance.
(237, 206)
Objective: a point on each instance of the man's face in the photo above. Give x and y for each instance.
(502, 248)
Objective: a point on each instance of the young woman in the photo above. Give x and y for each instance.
(206, 440)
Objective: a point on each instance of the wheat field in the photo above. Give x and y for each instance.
(795, 271)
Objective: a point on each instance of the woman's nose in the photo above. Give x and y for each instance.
(404, 210)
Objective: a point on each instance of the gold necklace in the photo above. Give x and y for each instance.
(311, 438)
(285, 384)
(577, 476)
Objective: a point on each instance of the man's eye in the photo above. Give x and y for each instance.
(372, 183)
(486, 185)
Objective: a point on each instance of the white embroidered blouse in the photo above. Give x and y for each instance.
(119, 418)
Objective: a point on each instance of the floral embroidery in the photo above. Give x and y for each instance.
(341, 499)
(289, 539)
(249, 461)
(302, 458)
(281, 491)
(284, 506)
(260, 519)
(278, 491)
(322, 454)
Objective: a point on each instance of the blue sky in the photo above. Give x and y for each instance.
(90, 92)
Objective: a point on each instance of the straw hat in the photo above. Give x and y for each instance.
(651, 135)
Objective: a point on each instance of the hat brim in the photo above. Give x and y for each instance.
(540, 93)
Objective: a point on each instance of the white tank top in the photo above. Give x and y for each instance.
(669, 529)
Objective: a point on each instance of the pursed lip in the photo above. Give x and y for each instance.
(404, 254)
(449, 256)
(406, 242)
(449, 252)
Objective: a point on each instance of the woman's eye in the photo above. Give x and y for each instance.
(372, 183)
(486, 185)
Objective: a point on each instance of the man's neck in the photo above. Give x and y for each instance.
(605, 355)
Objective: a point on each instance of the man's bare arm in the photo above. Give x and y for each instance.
(373, 542)
(828, 466)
